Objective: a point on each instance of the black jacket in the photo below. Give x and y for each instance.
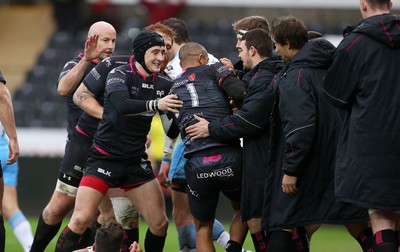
(364, 81)
(251, 123)
(304, 129)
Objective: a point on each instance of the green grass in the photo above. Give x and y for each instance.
(327, 239)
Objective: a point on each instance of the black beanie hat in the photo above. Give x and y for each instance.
(142, 42)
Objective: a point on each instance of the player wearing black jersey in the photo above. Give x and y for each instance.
(90, 97)
(212, 167)
(100, 44)
(134, 92)
(251, 122)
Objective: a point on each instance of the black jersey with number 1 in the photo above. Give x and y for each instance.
(199, 89)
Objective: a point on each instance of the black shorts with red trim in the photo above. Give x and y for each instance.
(126, 174)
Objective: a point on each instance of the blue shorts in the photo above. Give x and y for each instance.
(177, 168)
(10, 172)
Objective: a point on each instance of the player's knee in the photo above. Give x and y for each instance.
(56, 211)
(160, 227)
(81, 220)
(8, 210)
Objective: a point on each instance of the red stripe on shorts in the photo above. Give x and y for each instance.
(95, 183)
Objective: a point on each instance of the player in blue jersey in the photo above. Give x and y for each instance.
(11, 211)
(8, 121)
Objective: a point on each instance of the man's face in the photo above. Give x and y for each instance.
(106, 41)
(283, 50)
(244, 55)
(168, 45)
(155, 57)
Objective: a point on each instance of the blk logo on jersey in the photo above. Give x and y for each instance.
(102, 171)
(192, 77)
(147, 86)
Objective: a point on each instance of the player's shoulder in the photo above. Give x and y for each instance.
(117, 60)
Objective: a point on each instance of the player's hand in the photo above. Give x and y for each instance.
(163, 174)
(289, 184)
(14, 151)
(227, 63)
(170, 103)
(135, 247)
(198, 130)
(148, 142)
(91, 52)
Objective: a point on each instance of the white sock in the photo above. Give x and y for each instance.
(223, 239)
(23, 232)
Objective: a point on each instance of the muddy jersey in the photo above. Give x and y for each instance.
(95, 81)
(124, 136)
(74, 112)
(199, 89)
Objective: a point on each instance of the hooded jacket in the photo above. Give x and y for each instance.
(304, 132)
(364, 81)
(251, 123)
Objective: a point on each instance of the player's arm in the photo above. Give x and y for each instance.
(163, 174)
(298, 113)
(69, 82)
(341, 81)
(8, 121)
(86, 100)
(234, 88)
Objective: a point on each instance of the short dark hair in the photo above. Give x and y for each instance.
(379, 4)
(260, 40)
(289, 29)
(109, 237)
(180, 28)
(250, 23)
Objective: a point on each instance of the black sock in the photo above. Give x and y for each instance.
(153, 243)
(385, 241)
(130, 236)
(259, 241)
(85, 238)
(70, 241)
(43, 235)
(365, 239)
(300, 236)
(2, 235)
(96, 226)
(233, 246)
(281, 241)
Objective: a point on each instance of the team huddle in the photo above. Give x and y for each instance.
(296, 134)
